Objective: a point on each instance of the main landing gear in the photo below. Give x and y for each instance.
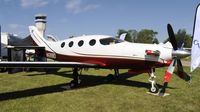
(154, 88)
(111, 77)
(75, 82)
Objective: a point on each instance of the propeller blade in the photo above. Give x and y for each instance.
(172, 38)
(179, 65)
(180, 72)
(167, 77)
(181, 42)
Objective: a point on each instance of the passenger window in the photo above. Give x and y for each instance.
(92, 42)
(71, 44)
(62, 45)
(80, 43)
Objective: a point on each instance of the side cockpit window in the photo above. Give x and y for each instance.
(110, 41)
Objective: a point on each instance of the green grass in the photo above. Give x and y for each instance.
(187, 59)
(38, 92)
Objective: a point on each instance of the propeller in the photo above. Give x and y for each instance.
(177, 53)
(172, 38)
(180, 72)
(177, 48)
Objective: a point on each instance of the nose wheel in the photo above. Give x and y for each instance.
(154, 88)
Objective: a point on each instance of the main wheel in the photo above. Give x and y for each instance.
(110, 77)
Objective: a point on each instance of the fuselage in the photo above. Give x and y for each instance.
(110, 52)
(105, 51)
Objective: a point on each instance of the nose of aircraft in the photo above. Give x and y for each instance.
(181, 53)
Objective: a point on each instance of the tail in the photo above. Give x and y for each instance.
(195, 58)
(122, 36)
(39, 39)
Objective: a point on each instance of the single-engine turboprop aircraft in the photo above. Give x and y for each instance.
(102, 51)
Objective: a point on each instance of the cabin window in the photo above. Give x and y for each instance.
(80, 43)
(62, 45)
(71, 44)
(110, 41)
(92, 42)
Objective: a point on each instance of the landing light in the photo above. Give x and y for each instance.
(153, 52)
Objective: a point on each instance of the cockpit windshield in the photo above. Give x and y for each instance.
(110, 40)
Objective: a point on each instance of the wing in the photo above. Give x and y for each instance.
(46, 64)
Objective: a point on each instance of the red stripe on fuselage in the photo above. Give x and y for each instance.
(106, 62)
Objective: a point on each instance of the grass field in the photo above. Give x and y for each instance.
(40, 92)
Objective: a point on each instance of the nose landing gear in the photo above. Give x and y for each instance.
(154, 88)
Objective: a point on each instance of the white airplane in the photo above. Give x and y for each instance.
(102, 51)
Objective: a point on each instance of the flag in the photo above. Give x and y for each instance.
(195, 61)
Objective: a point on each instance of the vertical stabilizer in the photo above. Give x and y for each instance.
(39, 39)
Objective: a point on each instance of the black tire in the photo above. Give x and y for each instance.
(74, 84)
(154, 90)
(110, 77)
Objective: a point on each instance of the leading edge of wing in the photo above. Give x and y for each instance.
(18, 64)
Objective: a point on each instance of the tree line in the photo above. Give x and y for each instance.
(149, 36)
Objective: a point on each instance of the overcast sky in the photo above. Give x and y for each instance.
(77, 17)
